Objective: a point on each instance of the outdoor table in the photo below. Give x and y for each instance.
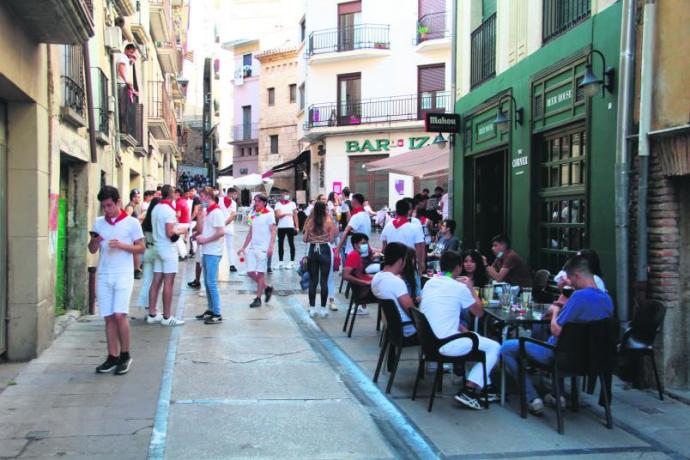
(510, 319)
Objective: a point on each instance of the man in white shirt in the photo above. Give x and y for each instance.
(165, 265)
(124, 63)
(118, 237)
(286, 212)
(228, 204)
(445, 212)
(405, 231)
(211, 241)
(443, 299)
(387, 284)
(360, 222)
(259, 247)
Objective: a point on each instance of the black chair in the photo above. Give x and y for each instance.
(430, 352)
(393, 340)
(583, 349)
(357, 298)
(639, 338)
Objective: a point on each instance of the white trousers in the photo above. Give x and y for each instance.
(229, 248)
(459, 347)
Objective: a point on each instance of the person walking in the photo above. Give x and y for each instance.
(166, 263)
(319, 232)
(211, 241)
(149, 256)
(228, 204)
(286, 213)
(259, 247)
(131, 210)
(117, 237)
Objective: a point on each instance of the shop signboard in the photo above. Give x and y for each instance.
(387, 145)
(480, 132)
(441, 123)
(556, 98)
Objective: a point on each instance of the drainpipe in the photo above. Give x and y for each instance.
(89, 102)
(646, 95)
(453, 77)
(622, 179)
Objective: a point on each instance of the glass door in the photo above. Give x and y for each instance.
(3, 225)
(349, 17)
(246, 122)
(349, 99)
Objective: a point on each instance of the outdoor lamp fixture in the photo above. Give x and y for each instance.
(502, 121)
(591, 84)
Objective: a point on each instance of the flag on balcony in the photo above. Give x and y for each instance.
(189, 56)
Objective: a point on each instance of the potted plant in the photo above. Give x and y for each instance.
(380, 45)
(354, 120)
(423, 32)
(247, 71)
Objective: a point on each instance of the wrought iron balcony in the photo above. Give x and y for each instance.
(161, 117)
(563, 15)
(363, 36)
(100, 100)
(483, 52)
(432, 26)
(66, 22)
(72, 79)
(379, 110)
(246, 132)
(131, 118)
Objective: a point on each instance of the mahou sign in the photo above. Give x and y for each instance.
(442, 122)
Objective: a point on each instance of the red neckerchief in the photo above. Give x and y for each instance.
(213, 207)
(355, 211)
(169, 203)
(227, 201)
(400, 221)
(122, 215)
(284, 202)
(423, 220)
(263, 211)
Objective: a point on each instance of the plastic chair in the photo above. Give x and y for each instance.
(430, 352)
(393, 340)
(583, 349)
(639, 338)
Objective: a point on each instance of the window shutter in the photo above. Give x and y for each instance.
(431, 6)
(432, 78)
(350, 7)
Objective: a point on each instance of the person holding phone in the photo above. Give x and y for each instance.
(117, 236)
(508, 267)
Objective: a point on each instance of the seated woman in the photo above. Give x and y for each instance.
(411, 276)
(473, 267)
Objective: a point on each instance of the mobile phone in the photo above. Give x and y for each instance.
(94, 234)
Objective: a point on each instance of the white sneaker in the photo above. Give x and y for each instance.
(172, 322)
(290, 266)
(312, 312)
(536, 406)
(202, 293)
(323, 312)
(242, 273)
(280, 266)
(362, 310)
(154, 319)
(332, 305)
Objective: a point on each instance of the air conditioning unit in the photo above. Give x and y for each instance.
(111, 104)
(113, 38)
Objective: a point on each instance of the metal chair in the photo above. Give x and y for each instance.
(357, 298)
(394, 340)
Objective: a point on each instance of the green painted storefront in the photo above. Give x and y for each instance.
(563, 134)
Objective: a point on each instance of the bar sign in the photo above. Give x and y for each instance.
(442, 122)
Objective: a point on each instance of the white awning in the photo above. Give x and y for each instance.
(427, 162)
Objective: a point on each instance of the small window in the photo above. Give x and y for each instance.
(271, 96)
(301, 96)
(274, 143)
(247, 59)
(242, 151)
(293, 93)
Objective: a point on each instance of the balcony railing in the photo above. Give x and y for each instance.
(347, 39)
(160, 107)
(100, 100)
(131, 115)
(72, 77)
(379, 110)
(432, 26)
(483, 52)
(562, 15)
(245, 132)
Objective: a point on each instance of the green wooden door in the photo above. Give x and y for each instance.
(61, 253)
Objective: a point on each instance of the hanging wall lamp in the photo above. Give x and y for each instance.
(591, 84)
(502, 121)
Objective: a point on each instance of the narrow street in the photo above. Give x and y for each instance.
(273, 383)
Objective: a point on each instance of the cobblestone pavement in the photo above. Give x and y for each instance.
(273, 383)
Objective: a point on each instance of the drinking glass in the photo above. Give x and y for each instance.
(506, 299)
(526, 296)
(488, 293)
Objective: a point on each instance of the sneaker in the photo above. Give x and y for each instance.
(242, 273)
(172, 322)
(362, 310)
(269, 271)
(108, 366)
(469, 399)
(123, 366)
(205, 315)
(154, 319)
(214, 319)
(268, 292)
(312, 312)
(332, 305)
(256, 303)
(323, 312)
(138, 274)
(550, 400)
(233, 268)
(491, 394)
(536, 406)
(290, 266)
(201, 294)
(194, 284)
(280, 266)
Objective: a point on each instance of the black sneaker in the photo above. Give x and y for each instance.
(123, 366)
(233, 268)
(469, 399)
(270, 270)
(214, 319)
(138, 274)
(194, 284)
(205, 315)
(268, 292)
(109, 365)
(256, 303)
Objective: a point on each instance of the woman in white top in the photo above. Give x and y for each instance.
(286, 213)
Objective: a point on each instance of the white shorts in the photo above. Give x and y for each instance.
(256, 260)
(113, 292)
(166, 260)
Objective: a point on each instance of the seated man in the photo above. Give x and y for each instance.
(443, 299)
(388, 284)
(588, 303)
(445, 240)
(508, 266)
(354, 271)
